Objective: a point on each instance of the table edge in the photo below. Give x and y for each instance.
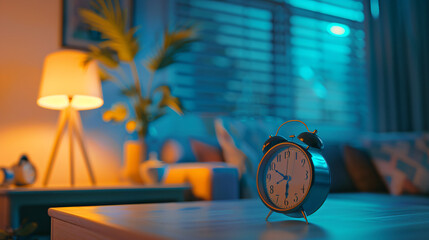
(97, 227)
(120, 188)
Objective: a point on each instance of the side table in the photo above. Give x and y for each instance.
(343, 216)
(31, 204)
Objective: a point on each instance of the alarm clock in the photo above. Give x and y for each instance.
(293, 177)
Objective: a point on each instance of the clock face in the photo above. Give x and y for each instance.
(287, 177)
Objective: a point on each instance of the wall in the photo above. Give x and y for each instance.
(29, 30)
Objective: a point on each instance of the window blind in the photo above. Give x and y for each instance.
(328, 71)
(301, 59)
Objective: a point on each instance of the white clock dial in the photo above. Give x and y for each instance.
(287, 177)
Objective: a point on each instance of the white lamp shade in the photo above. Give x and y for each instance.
(66, 80)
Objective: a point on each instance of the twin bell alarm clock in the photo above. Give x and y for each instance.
(293, 178)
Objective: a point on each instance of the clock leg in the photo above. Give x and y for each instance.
(269, 214)
(304, 214)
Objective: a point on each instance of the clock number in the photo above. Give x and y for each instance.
(271, 189)
(277, 200)
(302, 188)
(296, 197)
(286, 202)
(279, 158)
(287, 154)
(306, 174)
(273, 166)
(296, 155)
(302, 162)
(269, 177)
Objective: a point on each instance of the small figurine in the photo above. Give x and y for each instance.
(6, 177)
(25, 172)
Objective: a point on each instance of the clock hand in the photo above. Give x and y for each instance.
(280, 173)
(287, 186)
(288, 178)
(284, 176)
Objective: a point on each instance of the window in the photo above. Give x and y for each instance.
(302, 59)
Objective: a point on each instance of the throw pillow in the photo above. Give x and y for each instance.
(234, 154)
(177, 150)
(171, 151)
(403, 163)
(362, 170)
(190, 149)
(205, 152)
(231, 153)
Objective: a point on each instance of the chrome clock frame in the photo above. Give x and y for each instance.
(319, 185)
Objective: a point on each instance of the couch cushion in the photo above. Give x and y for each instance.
(177, 150)
(403, 161)
(205, 152)
(362, 170)
(209, 181)
(241, 143)
(190, 149)
(234, 147)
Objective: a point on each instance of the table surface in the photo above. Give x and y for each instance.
(343, 216)
(32, 203)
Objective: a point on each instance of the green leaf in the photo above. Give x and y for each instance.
(110, 22)
(144, 104)
(104, 55)
(175, 42)
(141, 109)
(26, 229)
(168, 100)
(104, 76)
(130, 92)
(159, 115)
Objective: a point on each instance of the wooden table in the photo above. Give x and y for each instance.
(31, 204)
(343, 216)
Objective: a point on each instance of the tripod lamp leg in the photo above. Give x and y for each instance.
(79, 135)
(60, 130)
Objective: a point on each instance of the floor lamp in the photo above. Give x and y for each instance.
(69, 85)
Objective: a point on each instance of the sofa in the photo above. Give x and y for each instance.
(224, 166)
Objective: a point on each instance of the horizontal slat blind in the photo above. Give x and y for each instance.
(274, 58)
(233, 69)
(328, 73)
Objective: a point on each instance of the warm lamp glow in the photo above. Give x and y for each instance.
(66, 80)
(62, 101)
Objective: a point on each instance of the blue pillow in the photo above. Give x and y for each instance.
(402, 160)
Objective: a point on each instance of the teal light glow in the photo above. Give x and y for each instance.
(339, 30)
(375, 8)
(355, 14)
(306, 72)
(319, 89)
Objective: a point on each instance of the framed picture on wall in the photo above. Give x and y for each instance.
(77, 34)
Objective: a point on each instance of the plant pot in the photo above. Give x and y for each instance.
(134, 155)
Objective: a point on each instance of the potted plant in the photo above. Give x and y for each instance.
(118, 49)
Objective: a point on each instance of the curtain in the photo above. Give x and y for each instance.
(398, 51)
